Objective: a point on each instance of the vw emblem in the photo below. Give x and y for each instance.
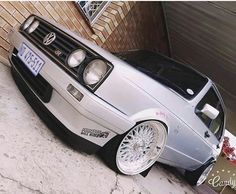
(49, 38)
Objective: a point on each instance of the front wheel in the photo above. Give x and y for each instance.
(137, 150)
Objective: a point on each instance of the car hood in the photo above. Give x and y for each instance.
(131, 91)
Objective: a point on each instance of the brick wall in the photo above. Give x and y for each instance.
(137, 25)
(122, 26)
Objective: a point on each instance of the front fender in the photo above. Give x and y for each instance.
(151, 114)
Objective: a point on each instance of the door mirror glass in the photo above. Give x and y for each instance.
(210, 111)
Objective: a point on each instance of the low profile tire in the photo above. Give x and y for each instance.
(199, 176)
(137, 150)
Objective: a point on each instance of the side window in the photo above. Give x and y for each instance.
(216, 125)
(92, 9)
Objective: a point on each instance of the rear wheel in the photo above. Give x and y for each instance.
(199, 176)
(138, 149)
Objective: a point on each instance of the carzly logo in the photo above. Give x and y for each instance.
(217, 181)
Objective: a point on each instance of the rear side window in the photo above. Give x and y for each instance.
(215, 125)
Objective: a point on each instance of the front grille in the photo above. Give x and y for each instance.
(65, 47)
(39, 85)
(61, 48)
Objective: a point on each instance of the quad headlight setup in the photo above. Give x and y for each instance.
(82, 63)
(92, 71)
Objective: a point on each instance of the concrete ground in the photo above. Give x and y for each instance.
(33, 160)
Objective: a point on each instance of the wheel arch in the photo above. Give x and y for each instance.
(156, 114)
(193, 176)
(109, 149)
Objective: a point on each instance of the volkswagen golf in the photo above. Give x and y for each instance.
(135, 108)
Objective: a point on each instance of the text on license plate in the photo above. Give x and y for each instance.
(30, 59)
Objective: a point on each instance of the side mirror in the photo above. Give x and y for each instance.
(210, 111)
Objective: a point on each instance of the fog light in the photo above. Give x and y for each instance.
(74, 92)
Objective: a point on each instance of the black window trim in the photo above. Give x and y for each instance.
(161, 79)
(220, 103)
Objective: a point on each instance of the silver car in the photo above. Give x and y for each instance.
(135, 107)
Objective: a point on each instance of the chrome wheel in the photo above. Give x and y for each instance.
(141, 147)
(204, 174)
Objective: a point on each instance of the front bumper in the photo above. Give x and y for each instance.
(90, 113)
(50, 120)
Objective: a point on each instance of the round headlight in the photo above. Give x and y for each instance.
(94, 71)
(33, 27)
(28, 22)
(76, 58)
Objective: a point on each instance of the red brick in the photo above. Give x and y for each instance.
(41, 9)
(8, 7)
(4, 44)
(52, 12)
(2, 21)
(71, 25)
(115, 13)
(7, 17)
(7, 27)
(44, 3)
(101, 29)
(18, 6)
(60, 12)
(108, 21)
(3, 34)
(122, 5)
(122, 26)
(18, 17)
(118, 8)
(105, 25)
(96, 39)
(127, 5)
(30, 7)
(4, 54)
(80, 19)
(100, 35)
(112, 17)
(69, 14)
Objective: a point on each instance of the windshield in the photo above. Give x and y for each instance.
(182, 79)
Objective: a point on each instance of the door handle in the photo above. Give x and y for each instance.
(207, 135)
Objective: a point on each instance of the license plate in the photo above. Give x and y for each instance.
(30, 59)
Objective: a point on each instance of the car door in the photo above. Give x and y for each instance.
(213, 129)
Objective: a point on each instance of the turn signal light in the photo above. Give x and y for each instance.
(74, 92)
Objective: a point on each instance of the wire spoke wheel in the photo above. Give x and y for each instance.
(141, 147)
(204, 174)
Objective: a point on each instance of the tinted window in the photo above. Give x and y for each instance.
(178, 77)
(216, 125)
